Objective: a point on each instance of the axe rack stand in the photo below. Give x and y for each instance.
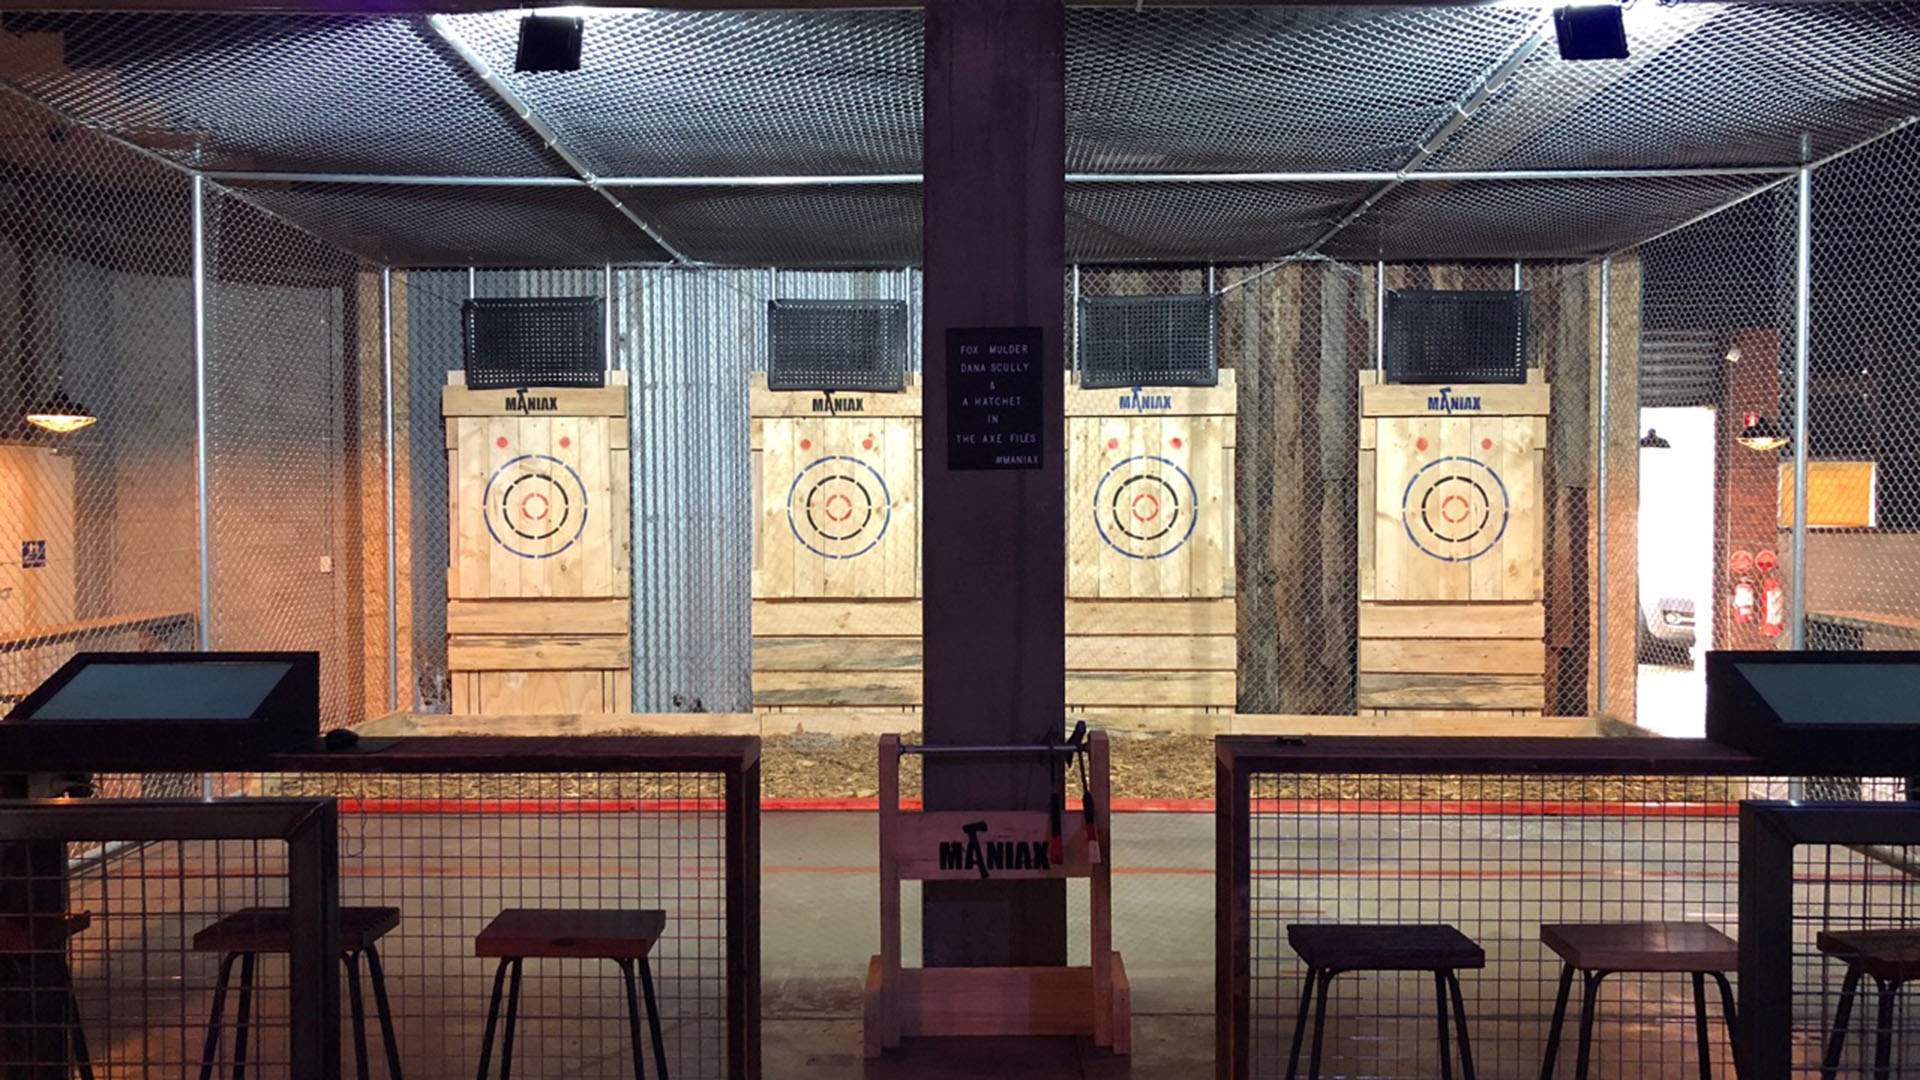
(957, 845)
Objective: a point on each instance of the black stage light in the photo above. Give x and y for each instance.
(548, 43)
(1596, 32)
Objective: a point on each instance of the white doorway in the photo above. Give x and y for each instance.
(1675, 588)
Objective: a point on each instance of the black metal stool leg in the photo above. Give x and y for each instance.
(1842, 1012)
(82, 1060)
(1300, 1024)
(653, 1019)
(386, 1013)
(211, 1050)
(1460, 1022)
(243, 1018)
(1883, 1034)
(633, 1020)
(1700, 1025)
(513, 1018)
(1559, 1022)
(357, 1009)
(1727, 1010)
(493, 1020)
(1319, 1025)
(1440, 1012)
(1587, 1008)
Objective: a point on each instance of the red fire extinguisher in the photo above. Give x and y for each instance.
(1773, 597)
(1742, 598)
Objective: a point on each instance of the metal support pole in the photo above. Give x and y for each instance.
(1380, 317)
(473, 283)
(1519, 282)
(200, 411)
(1600, 507)
(606, 296)
(393, 533)
(1073, 308)
(1802, 350)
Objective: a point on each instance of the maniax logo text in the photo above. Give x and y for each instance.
(521, 402)
(839, 404)
(973, 854)
(1446, 401)
(1139, 402)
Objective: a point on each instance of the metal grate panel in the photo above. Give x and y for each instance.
(1456, 335)
(408, 225)
(1262, 88)
(837, 345)
(1706, 85)
(272, 92)
(548, 341)
(677, 93)
(1148, 341)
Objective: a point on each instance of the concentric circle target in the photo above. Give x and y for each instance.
(535, 506)
(839, 507)
(1455, 508)
(1145, 507)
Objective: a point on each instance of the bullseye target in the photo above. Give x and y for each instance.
(535, 506)
(1455, 508)
(839, 507)
(1145, 507)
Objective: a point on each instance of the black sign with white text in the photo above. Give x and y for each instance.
(994, 384)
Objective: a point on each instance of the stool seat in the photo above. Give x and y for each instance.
(1412, 947)
(1643, 947)
(37, 933)
(591, 935)
(1887, 955)
(270, 930)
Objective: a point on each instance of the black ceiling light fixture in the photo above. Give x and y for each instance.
(1762, 433)
(1653, 440)
(549, 43)
(1591, 31)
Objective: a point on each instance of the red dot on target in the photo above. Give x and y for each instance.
(1113, 444)
(565, 442)
(806, 444)
(1176, 443)
(1486, 444)
(1420, 443)
(866, 444)
(501, 442)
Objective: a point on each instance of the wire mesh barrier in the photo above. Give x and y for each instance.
(1550, 857)
(438, 837)
(112, 961)
(1828, 895)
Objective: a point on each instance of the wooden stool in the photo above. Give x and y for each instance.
(22, 935)
(1597, 950)
(1336, 949)
(1892, 957)
(624, 937)
(251, 931)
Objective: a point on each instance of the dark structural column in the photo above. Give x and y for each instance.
(994, 547)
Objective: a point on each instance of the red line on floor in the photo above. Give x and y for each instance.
(1377, 807)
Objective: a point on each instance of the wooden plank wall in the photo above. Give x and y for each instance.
(543, 626)
(1619, 578)
(836, 598)
(1296, 337)
(1150, 555)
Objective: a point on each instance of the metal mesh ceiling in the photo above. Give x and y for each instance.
(426, 225)
(675, 93)
(1528, 219)
(1707, 84)
(272, 92)
(1214, 89)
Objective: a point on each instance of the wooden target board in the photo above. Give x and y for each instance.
(539, 554)
(1150, 573)
(1450, 547)
(836, 579)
